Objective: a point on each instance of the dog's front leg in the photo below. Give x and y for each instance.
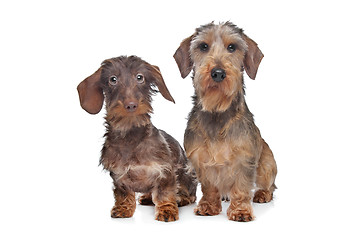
(210, 203)
(240, 208)
(125, 203)
(164, 198)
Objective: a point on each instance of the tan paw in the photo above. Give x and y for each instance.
(240, 215)
(207, 209)
(122, 212)
(167, 215)
(262, 196)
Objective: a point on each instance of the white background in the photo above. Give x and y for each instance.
(305, 101)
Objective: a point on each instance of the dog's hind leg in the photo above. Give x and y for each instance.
(184, 196)
(186, 186)
(266, 174)
(146, 199)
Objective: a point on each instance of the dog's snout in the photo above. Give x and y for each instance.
(218, 74)
(131, 106)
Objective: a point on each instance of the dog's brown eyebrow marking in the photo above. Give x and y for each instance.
(221, 139)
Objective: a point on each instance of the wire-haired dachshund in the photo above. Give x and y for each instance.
(139, 157)
(221, 139)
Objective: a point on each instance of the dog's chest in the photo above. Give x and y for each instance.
(221, 163)
(221, 143)
(215, 154)
(142, 178)
(137, 163)
(138, 172)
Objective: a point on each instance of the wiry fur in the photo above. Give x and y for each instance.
(139, 157)
(221, 138)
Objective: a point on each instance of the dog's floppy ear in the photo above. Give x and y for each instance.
(91, 94)
(159, 82)
(253, 57)
(182, 57)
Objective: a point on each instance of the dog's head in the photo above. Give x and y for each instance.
(127, 83)
(218, 54)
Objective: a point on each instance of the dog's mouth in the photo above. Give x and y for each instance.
(213, 87)
(130, 109)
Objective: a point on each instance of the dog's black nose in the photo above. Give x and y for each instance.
(218, 74)
(131, 106)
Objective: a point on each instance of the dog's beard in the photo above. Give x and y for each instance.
(213, 96)
(214, 100)
(120, 119)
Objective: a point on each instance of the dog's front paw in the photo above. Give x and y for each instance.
(122, 212)
(167, 214)
(207, 209)
(240, 214)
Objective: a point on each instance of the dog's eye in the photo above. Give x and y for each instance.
(203, 47)
(231, 48)
(113, 80)
(140, 78)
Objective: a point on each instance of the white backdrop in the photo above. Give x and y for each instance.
(305, 101)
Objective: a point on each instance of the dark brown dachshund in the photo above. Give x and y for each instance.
(140, 157)
(221, 139)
